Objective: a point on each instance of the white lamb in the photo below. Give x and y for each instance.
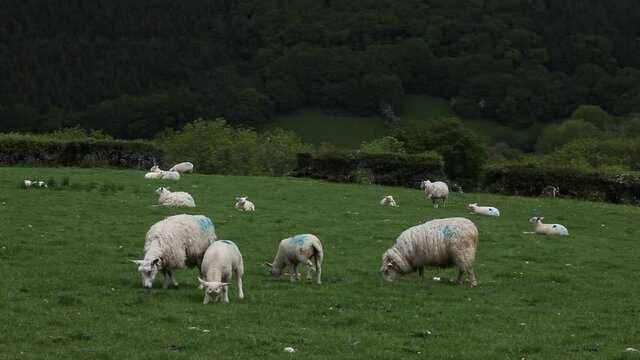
(153, 175)
(173, 243)
(243, 204)
(483, 210)
(183, 167)
(177, 199)
(547, 229)
(170, 175)
(436, 191)
(388, 201)
(221, 260)
(440, 242)
(295, 250)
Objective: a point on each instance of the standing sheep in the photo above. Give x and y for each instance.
(547, 229)
(441, 242)
(221, 260)
(483, 210)
(178, 198)
(183, 167)
(176, 242)
(436, 191)
(243, 204)
(388, 201)
(295, 250)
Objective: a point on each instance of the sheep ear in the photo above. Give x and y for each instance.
(268, 264)
(540, 218)
(202, 281)
(391, 265)
(224, 284)
(137, 262)
(155, 262)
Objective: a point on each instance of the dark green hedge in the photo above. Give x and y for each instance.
(580, 183)
(381, 169)
(31, 150)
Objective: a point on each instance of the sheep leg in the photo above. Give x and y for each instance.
(292, 272)
(169, 279)
(460, 276)
(225, 294)
(421, 273)
(472, 277)
(310, 269)
(296, 272)
(318, 274)
(240, 293)
(173, 280)
(207, 298)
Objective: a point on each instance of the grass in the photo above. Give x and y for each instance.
(69, 289)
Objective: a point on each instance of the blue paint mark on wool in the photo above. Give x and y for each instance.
(299, 239)
(229, 242)
(560, 229)
(448, 232)
(205, 223)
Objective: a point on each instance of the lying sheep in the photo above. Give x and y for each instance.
(176, 242)
(547, 229)
(221, 260)
(153, 175)
(436, 191)
(295, 250)
(388, 201)
(440, 242)
(170, 175)
(243, 204)
(178, 198)
(38, 183)
(183, 167)
(483, 210)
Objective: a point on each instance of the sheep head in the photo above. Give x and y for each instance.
(148, 269)
(388, 270)
(213, 288)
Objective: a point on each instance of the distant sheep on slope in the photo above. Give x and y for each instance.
(440, 242)
(221, 261)
(173, 243)
(436, 191)
(547, 229)
(177, 199)
(388, 201)
(483, 210)
(183, 167)
(243, 204)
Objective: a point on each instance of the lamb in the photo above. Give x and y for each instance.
(483, 210)
(178, 198)
(440, 242)
(173, 243)
(295, 250)
(221, 260)
(153, 175)
(243, 204)
(183, 167)
(388, 201)
(547, 229)
(38, 183)
(436, 191)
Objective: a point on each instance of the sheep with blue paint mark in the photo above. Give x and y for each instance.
(295, 250)
(173, 243)
(437, 191)
(440, 243)
(547, 229)
(177, 199)
(483, 210)
(183, 167)
(221, 261)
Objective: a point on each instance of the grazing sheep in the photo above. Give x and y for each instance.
(440, 242)
(176, 242)
(547, 229)
(436, 191)
(178, 198)
(295, 250)
(483, 210)
(388, 201)
(243, 204)
(221, 260)
(183, 167)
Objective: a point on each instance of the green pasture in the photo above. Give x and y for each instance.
(70, 291)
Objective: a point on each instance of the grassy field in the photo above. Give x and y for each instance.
(70, 291)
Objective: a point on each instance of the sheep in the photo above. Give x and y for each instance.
(176, 242)
(547, 229)
(221, 260)
(436, 191)
(183, 167)
(38, 183)
(440, 242)
(170, 175)
(551, 191)
(243, 204)
(388, 201)
(295, 250)
(155, 168)
(178, 198)
(153, 175)
(483, 210)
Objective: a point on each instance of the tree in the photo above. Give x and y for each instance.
(557, 135)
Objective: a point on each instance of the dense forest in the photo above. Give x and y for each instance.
(134, 68)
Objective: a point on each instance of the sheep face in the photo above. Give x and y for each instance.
(534, 220)
(472, 207)
(425, 184)
(161, 190)
(148, 270)
(273, 272)
(388, 269)
(213, 289)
